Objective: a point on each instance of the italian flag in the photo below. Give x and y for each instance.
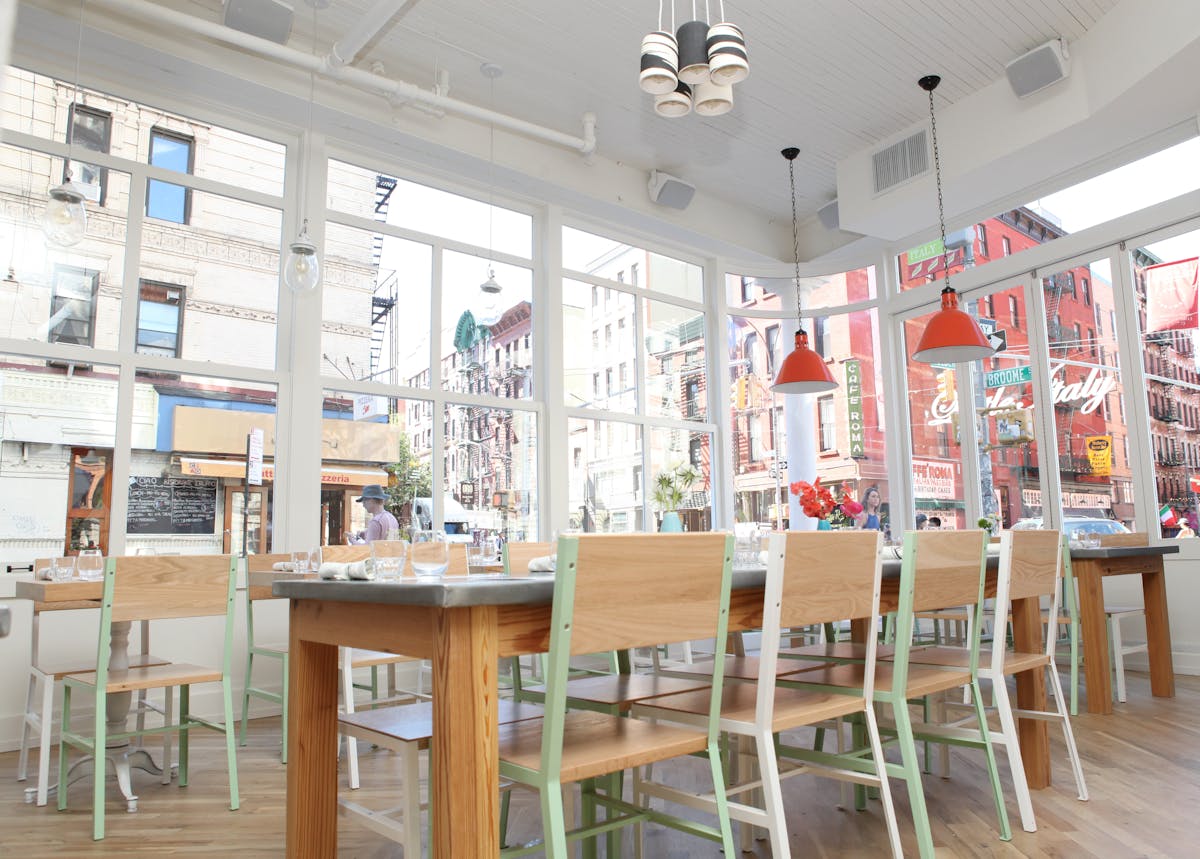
(1167, 516)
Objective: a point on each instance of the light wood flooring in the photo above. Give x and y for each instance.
(1142, 766)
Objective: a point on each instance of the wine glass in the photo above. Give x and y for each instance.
(90, 565)
(430, 553)
(388, 557)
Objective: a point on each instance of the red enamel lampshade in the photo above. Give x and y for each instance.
(803, 371)
(952, 335)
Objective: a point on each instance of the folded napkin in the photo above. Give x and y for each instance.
(284, 567)
(358, 571)
(544, 564)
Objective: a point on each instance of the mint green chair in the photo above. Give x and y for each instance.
(154, 588)
(255, 648)
(613, 592)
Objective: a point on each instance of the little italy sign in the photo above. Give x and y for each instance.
(1089, 392)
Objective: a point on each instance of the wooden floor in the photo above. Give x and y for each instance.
(1142, 765)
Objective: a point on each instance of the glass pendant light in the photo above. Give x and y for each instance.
(302, 271)
(952, 335)
(64, 220)
(803, 371)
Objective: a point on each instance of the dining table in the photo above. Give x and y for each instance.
(464, 625)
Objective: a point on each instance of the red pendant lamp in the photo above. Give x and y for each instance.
(803, 371)
(952, 335)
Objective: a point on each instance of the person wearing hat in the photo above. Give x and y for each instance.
(921, 521)
(382, 523)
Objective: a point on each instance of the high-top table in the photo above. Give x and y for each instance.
(1090, 567)
(464, 625)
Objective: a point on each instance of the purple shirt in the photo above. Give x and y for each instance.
(381, 524)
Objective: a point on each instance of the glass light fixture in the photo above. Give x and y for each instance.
(803, 371)
(490, 310)
(64, 220)
(952, 335)
(302, 271)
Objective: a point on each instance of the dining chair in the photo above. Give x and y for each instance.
(154, 588)
(271, 650)
(682, 584)
(45, 678)
(938, 570)
(815, 577)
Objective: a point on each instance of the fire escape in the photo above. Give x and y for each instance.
(383, 300)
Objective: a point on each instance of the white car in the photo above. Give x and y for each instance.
(1073, 526)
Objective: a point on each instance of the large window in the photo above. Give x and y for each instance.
(90, 129)
(73, 305)
(165, 201)
(160, 318)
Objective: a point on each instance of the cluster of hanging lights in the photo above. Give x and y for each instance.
(696, 66)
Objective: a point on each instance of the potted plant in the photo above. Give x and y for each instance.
(670, 486)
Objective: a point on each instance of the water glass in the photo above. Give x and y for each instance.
(301, 561)
(388, 557)
(430, 554)
(62, 569)
(483, 557)
(90, 565)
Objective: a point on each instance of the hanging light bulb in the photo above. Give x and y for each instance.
(490, 310)
(302, 271)
(64, 220)
(952, 335)
(803, 371)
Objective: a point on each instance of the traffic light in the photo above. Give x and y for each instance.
(945, 385)
(741, 390)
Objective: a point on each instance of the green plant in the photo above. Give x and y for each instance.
(409, 479)
(671, 484)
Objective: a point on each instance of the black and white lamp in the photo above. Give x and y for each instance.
(697, 67)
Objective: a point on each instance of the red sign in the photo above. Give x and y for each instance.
(1194, 483)
(1172, 295)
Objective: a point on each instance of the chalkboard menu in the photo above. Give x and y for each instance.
(172, 505)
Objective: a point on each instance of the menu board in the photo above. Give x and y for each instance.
(172, 505)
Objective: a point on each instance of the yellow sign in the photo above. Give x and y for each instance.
(1099, 453)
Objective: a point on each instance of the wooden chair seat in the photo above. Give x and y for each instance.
(957, 657)
(955, 614)
(623, 690)
(412, 723)
(368, 658)
(152, 677)
(745, 667)
(595, 743)
(849, 650)
(793, 707)
(58, 672)
(922, 679)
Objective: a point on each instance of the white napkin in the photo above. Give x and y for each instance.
(359, 571)
(544, 564)
(284, 567)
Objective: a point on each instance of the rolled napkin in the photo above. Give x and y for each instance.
(284, 567)
(544, 564)
(358, 571)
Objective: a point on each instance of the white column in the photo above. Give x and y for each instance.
(800, 420)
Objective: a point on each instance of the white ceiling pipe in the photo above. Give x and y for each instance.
(144, 11)
(347, 48)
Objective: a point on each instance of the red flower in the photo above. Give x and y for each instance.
(815, 500)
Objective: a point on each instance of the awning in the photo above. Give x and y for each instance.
(338, 475)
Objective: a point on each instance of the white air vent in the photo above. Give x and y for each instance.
(901, 161)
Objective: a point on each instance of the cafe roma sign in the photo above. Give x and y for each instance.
(1089, 392)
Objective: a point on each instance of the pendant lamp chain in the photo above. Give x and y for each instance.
(790, 154)
(929, 84)
(74, 96)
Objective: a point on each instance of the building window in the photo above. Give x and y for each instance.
(1092, 342)
(772, 349)
(73, 305)
(983, 243)
(1005, 245)
(821, 337)
(828, 423)
(160, 319)
(1014, 311)
(90, 129)
(747, 287)
(1087, 290)
(633, 274)
(165, 201)
(595, 296)
(749, 347)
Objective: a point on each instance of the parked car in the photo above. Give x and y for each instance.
(1073, 526)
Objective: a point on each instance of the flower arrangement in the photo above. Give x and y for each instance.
(818, 503)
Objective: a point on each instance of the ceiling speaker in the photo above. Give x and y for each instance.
(670, 191)
(267, 19)
(828, 215)
(1045, 65)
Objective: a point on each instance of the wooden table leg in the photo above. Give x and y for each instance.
(312, 746)
(1092, 627)
(1033, 734)
(465, 753)
(1158, 634)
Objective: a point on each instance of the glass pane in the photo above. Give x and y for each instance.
(758, 432)
(59, 294)
(487, 338)
(370, 194)
(375, 307)
(247, 523)
(606, 476)
(608, 258)
(674, 358)
(599, 348)
(364, 441)
(833, 290)
(491, 473)
(189, 447)
(1087, 385)
(690, 498)
(1165, 272)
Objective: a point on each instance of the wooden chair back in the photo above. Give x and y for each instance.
(828, 576)
(518, 555)
(345, 554)
(948, 567)
(1034, 558)
(641, 590)
(1135, 538)
(169, 586)
(266, 563)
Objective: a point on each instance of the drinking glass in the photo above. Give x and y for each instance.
(61, 569)
(483, 556)
(90, 565)
(388, 556)
(301, 561)
(430, 554)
